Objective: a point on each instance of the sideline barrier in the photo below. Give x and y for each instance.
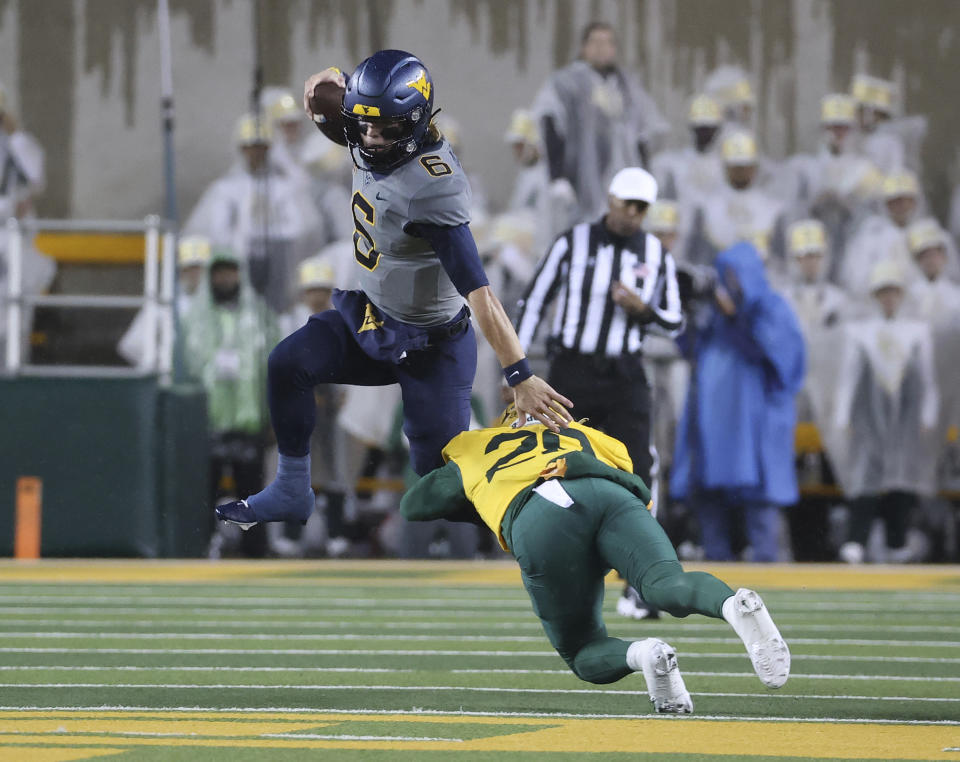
(123, 464)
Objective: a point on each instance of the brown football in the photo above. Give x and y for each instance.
(325, 104)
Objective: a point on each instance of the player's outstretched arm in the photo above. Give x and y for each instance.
(532, 394)
(437, 495)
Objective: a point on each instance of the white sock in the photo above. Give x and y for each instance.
(635, 653)
(729, 611)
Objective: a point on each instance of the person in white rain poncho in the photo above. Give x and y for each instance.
(193, 257)
(531, 187)
(820, 307)
(836, 184)
(596, 119)
(261, 212)
(730, 87)
(932, 297)
(935, 299)
(739, 211)
(882, 236)
(890, 144)
(885, 417)
(22, 178)
(695, 171)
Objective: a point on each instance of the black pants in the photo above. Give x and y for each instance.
(613, 393)
(893, 507)
(243, 455)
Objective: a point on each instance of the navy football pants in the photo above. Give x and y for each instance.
(435, 382)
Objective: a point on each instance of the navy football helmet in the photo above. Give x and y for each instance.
(388, 101)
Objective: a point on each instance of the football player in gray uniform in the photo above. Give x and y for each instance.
(406, 322)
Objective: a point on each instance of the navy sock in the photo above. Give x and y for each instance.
(289, 496)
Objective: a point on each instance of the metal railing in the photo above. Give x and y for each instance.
(159, 283)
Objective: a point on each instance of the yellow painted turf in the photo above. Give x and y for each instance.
(767, 576)
(656, 736)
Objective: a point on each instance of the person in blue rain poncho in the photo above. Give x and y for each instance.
(735, 443)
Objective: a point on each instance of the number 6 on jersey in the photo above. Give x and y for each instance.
(364, 247)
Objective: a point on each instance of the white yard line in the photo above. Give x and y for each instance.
(429, 652)
(427, 625)
(446, 713)
(452, 688)
(295, 613)
(374, 670)
(272, 651)
(241, 603)
(72, 635)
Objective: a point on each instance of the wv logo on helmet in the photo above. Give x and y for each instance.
(421, 84)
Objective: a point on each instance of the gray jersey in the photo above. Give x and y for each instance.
(400, 273)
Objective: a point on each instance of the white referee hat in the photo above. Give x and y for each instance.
(634, 184)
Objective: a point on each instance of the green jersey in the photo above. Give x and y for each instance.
(492, 471)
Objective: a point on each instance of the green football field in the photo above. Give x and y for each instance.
(239, 661)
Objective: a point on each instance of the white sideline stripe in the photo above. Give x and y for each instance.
(298, 613)
(276, 587)
(686, 673)
(454, 688)
(371, 670)
(472, 638)
(302, 624)
(427, 625)
(373, 612)
(464, 713)
(302, 603)
(272, 651)
(311, 603)
(431, 652)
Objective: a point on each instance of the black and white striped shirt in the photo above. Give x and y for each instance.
(580, 267)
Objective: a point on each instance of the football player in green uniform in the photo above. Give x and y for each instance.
(569, 508)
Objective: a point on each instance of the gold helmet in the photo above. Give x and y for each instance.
(806, 237)
(522, 128)
(284, 108)
(252, 130)
(837, 108)
(704, 111)
(450, 129)
(730, 86)
(873, 92)
(193, 250)
(315, 272)
(925, 234)
(885, 274)
(900, 184)
(663, 216)
(739, 149)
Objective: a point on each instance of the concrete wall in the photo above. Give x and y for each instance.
(84, 74)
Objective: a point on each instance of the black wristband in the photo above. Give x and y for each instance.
(519, 371)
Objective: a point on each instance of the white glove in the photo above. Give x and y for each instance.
(561, 191)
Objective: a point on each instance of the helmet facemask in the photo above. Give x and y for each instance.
(389, 140)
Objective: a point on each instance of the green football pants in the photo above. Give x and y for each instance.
(565, 554)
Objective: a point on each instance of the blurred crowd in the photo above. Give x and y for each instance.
(844, 238)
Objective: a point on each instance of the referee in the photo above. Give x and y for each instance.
(612, 283)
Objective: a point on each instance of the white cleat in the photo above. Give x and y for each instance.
(664, 682)
(767, 649)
